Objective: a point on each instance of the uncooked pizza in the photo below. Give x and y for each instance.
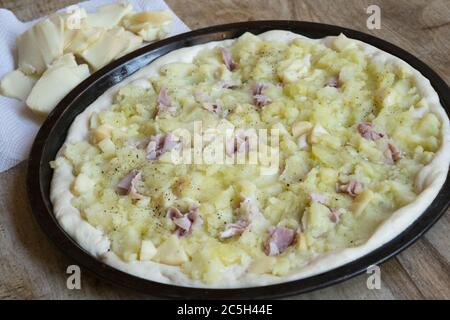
(156, 176)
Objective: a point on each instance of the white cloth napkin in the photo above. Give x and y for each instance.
(18, 125)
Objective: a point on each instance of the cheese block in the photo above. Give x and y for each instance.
(76, 41)
(134, 42)
(111, 45)
(149, 25)
(59, 79)
(40, 45)
(171, 252)
(17, 85)
(109, 16)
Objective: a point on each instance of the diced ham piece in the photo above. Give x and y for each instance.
(392, 153)
(214, 107)
(352, 188)
(250, 209)
(318, 197)
(368, 131)
(127, 186)
(173, 213)
(260, 99)
(140, 144)
(160, 144)
(228, 84)
(234, 229)
(332, 82)
(163, 99)
(164, 103)
(228, 59)
(334, 215)
(184, 222)
(240, 142)
(280, 238)
(248, 212)
(194, 216)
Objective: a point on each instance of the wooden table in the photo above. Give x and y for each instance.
(32, 268)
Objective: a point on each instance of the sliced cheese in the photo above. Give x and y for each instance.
(361, 202)
(40, 45)
(171, 252)
(148, 250)
(83, 184)
(111, 45)
(149, 25)
(316, 132)
(67, 60)
(109, 16)
(292, 70)
(318, 219)
(134, 42)
(342, 43)
(17, 85)
(60, 78)
(76, 41)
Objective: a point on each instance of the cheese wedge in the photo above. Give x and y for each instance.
(40, 45)
(59, 79)
(149, 25)
(17, 85)
(171, 252)
(76, 41)
(109, 16)
(67, 60)
(148, 250)
(134, 42)
(111, 45)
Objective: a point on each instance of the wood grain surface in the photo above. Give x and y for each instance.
(32, 268)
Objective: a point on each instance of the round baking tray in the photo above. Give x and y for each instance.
(54, 130)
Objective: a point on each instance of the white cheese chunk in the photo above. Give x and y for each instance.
(149, 25)
(76, 41)
(107, 146)
(134, 42)
(316, 132)
(16, 84)
(292, 70)
(111, 45)
(171, 252)
(83, 184)
(300, 128)
(109, 16)
(40, 45)
(318, 219)
(342, 43)
(59, 79)
(148, 250)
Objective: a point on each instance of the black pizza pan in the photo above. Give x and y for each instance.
(54, 130)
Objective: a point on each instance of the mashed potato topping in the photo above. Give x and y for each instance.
(353, 133)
